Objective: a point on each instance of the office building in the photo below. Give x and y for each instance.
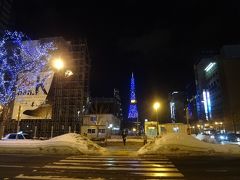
(176, 104)
(217, 85)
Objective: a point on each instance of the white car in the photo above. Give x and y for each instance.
(16, 136)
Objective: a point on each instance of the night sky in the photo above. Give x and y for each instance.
(157, 40)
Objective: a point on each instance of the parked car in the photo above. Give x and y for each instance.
(232, 137)
(219, 137)
(16, 136)
(229, 137)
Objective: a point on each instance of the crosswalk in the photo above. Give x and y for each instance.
(106, 167)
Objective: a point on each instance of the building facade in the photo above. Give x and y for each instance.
(176, 104)
(62, 110)
(190, 103)
(103, 105)
(217, 87)
(100, 126)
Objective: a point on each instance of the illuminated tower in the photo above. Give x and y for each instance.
(132, 111)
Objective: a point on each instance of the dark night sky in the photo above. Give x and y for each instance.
(157, 40)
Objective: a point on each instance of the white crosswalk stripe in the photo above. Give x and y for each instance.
(107, 167)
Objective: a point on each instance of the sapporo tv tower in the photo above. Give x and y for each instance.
(132, 111)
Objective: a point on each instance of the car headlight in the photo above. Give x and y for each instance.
(238, 139)
(222, 137)
(212, 137)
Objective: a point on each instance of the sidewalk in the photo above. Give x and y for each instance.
(116, 147)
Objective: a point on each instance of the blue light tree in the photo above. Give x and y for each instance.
(18, 56)
(132, 111)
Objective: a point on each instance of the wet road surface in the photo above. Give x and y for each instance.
(119, 167)
(91, 167)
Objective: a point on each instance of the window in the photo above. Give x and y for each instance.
(12, 136)
(91, 131)
(101, 131)
(20, 136)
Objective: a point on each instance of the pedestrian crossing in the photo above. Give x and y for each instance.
(106, 167)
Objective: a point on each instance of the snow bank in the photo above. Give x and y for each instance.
(70, 143)
(206, 138)
(185, 144)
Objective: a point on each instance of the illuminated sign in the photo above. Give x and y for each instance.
(207, 104)
(172, 109)
(209, 66)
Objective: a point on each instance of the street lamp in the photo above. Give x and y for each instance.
(156, 106)
(58, 64)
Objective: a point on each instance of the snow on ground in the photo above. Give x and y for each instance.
(206, 138)
(177, 144)
(70, 143)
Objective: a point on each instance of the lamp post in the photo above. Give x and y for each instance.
(156, 106)
(58, 65)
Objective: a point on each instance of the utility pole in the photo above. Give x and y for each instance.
(187, 118)
(19, 118)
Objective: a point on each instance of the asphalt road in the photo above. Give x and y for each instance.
(12, 165)
(118, 167)
(208, 167)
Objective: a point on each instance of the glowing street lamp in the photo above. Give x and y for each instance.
(156, 106)
(58, 64)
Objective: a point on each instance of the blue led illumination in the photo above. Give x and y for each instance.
(209, 105)
(18, 56)
(132, 112)
(172, 108)
(205, 104)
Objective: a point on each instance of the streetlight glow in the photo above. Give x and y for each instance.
(58, 64)
(156, 105)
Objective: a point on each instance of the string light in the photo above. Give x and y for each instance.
(18, 56)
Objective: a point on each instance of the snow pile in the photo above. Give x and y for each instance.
(206, 138)
(185, 144)
(70, 143)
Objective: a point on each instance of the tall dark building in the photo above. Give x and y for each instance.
(176, 103)
(71, 93)
(5, 13)
(217, 82)
(190, 104)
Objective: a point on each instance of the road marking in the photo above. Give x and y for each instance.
(117, 161)
(111, 168)
(167, 174)
(105, 167)
(110, 164)
(22, 176)
(124, 158)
